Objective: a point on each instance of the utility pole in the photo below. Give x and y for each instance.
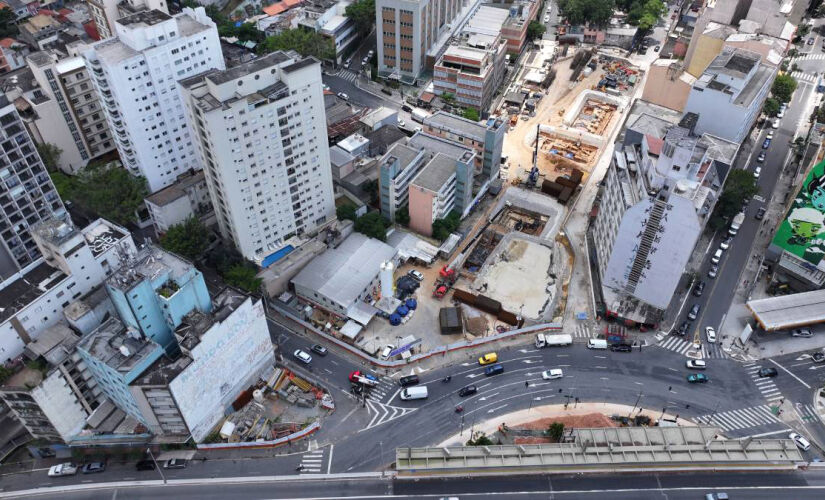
(635, 404)
(160, 471)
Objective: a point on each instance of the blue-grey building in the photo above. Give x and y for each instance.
(485, 137)
(154, 290)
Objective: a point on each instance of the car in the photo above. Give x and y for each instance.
(713, 271)
(775, 124)
(65, 469)
(683, 328)
(408, 380)
(467, 390)
(406, 108)
(175, 463)
(488, 358)
(805, 333)
(621, 348)
(370, 53)
(781, 113)
(757, 171)
(767, 372)
(417, 129)
(719, 496)
(800, 441)
(766, 143)
(319, 349)
(552, 374)
(402, 123)
(761, 157)
(417, 276)
(493, 370)
(694, 312)
(145, 465)
(769, 134)
(302, 356)
(811, 41)
(725, 244)
(93, 467)
(656, 49)
(710, 334)
(697, 378)
(343, 96)
(546, 19)
(760, 213)
(818, 357)
(698, 289)
(346, 64)
(385, 353)
(696, 364)
(365, 61)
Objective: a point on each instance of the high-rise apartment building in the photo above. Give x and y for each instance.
(105, 12)
(260, 127)
(136, 74)
(27, 194)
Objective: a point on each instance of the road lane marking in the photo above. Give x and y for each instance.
(329, 461)
(791, 374)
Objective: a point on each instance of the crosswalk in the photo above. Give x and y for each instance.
(742, 418)
(682, 346)
(765, 385)
(803, 77)
(807, 413)
(347, 75)
(385, 389)
(809, 57)
(312, 462)
(582, 331)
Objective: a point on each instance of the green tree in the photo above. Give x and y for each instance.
(643, 13)
(346, 211)
(305, 42)
(739, 186)
(50, 154)
(479, 439)
(771, 107)
(535, 30)
(373, 225)
(584, 11)
(443, 227)
(189, 238)
(783, 87)
(362, 13)
(471, 114)
(65, 184)
(555, 431)
(110, 192)
(448, 97)
(244, 277)
(402, 215)
(8, 18)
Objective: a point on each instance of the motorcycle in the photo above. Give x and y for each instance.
(459, 409)
(447, 379)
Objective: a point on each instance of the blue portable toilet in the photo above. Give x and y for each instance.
(395, 319)
(402, 310)
(411, 304)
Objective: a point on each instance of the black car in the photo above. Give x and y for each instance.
(406, 108)
(319, 349)
(468, 390)
(760, 213)
(408, 380)
(145, 465)
(768, 372)
(93, 467)
(683, 328)
(818, 357)
(698, 289)
(621, 348)
(694, 312)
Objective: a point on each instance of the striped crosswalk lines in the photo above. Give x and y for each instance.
(742, 418)
(765, 385)
(804, 77)
(582, 331)
(809, 57)
(385, 389)
(347, 75)
(312, 462)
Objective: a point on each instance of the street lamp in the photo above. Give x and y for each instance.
(160, 471)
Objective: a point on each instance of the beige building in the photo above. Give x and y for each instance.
(667, 84)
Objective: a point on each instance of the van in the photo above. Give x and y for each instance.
(717, 256)
(596, 344)
(408, 380)
(411, 393)
(493, 370)
(694, 312)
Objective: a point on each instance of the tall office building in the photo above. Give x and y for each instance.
(260, 127)
(106, 12)
(136, 74)
(27, 194)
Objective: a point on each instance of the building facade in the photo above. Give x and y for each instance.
(259, 127)
(440, 188)
(187, 197)
(136, 74)
(486, 138)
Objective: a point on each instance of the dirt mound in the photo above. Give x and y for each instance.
(571, 422)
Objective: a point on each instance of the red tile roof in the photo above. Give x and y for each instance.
(654, 145)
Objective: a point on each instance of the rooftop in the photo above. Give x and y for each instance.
(789, 311)
(120, 348)
(486, 20)
(18, 294)
(144, 17)
(253, 66)
(54, 344)
(178, 189)
(195, 324)
(342, 273)
(436, 173)
(456, 124)
(353, 142)
(377, 116)
(338, 156)
(435, 144)
(149, 263)
(162, 371)
(403, 153)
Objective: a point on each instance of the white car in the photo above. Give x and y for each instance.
(757, 172)
(696, 364)
(710, 333)
(343, 96)
(800, 441)
(552, 374)
(775, 123)
(781, 113)
(416, 275)
(401, 123)
(385, 354)
(546, 19)
(67, 469)
(302, 356)
(770, 135)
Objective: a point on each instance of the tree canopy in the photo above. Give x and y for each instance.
(362, 13)
(643, 13)
(783, 87)
(739, 186)
(373, 225)
(471, 114)
(50, 154)
(243, 276)
(110, 192)
(771, 107)
(8, 18)
(535, 30)
(305, 42)
(587, 11)
(189, 238)
(346, 211)
(443, 227)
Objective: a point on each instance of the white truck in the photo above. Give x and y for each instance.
(736, 224)
(418, 115)
(547, 340)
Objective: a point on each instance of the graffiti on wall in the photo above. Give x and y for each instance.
(802, 233)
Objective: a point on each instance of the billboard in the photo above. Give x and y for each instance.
(802, 233)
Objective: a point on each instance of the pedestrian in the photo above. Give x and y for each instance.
(526, 384)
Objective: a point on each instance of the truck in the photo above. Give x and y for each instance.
(736, 224)
(548, 340)
(418, 115)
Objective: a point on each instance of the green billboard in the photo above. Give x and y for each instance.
(802, 232)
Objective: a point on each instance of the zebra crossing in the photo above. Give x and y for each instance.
(347, 75)
(807, 413)
(809, 57)
(682, 346)
(312, 462)
(743, 418)
(765, 385)
(582, 331)
(804, 77)
(385, 388)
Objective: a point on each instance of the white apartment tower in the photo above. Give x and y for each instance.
(136, 74)
(261, 128)
(106, 12)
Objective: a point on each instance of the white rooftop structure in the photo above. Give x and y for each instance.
(789, 311)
